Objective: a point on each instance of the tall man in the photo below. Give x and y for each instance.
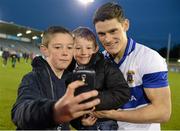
(143, 68)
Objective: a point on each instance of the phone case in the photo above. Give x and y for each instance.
(88, 77)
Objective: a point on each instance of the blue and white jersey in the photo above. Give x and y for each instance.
(142, 68)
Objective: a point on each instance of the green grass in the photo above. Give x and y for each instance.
(173, 123)
(10, 79)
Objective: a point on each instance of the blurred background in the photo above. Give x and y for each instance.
(153, 23)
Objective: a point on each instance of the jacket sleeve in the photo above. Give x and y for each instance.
(31, 110)
(116, 91)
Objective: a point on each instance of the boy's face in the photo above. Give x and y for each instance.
(83, 50)
(59, 52)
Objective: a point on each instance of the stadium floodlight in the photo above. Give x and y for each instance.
(34, 37)
(19, 34)
(28, 31)
(85, 2)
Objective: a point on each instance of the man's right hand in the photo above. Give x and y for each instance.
(68, 107)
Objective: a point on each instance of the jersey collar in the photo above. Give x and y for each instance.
(129, 48)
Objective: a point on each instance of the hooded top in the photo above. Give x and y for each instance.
(37, 94)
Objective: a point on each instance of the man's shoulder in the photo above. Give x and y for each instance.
(143, 48)
(146, 52)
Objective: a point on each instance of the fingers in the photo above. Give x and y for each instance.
(85, 96)
(72, 86)
(98, 114)
(89, 121)
(89, 105)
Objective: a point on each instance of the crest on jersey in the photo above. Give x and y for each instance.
(130, 76)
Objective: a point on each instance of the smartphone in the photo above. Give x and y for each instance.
(88, 77)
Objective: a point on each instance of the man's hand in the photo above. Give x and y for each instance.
(88, 120)
(104, 113)
(68, 107)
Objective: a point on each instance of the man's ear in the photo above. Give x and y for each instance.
(126, 25)
(44, 50)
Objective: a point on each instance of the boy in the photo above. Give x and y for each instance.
(43, 102)
(110, 83)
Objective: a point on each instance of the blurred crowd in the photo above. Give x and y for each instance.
(14, 56)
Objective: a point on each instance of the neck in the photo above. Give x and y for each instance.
(57, 72)
(117, 57)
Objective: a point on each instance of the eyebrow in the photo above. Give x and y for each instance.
(63, 43)
(109, 31)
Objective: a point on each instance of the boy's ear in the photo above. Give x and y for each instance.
(96, 50)
(44, 50)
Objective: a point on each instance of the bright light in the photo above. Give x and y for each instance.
(86, 1)
(19, 34)
(28, 31)
(42, 35)
(34, 37)
(178, 60)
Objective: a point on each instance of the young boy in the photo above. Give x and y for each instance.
(110, 83)
(43, 101)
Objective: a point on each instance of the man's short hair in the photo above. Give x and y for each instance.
(86, 33)
(109, 11)
(51, 31)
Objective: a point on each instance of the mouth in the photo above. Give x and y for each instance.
(111, 45)
(64, 60)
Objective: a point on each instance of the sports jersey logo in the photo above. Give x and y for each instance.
(130, 76)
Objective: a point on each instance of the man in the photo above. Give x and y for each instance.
(143, 68)
(5, 56)
(43, 101)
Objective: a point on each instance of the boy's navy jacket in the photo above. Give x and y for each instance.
(37, 94)
(110, 83)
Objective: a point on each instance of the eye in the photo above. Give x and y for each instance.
(70, 47)
(89, 47)
(101, 34)
(77, 48)
(113, 31)
(57, 47)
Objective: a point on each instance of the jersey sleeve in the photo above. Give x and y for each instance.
(154, 70)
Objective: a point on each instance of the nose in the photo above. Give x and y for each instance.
(83, 51)
(64, 52)
(107, 38)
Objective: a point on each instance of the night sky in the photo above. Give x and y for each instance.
(150, 20)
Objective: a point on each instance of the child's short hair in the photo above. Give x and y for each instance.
(51, 31)
(86, 33)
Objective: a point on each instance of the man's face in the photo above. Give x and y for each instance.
(83, 50)
(112, 35)
(60, 51)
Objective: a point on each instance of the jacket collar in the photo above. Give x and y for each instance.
(94, 59)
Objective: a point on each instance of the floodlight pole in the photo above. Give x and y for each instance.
(168, 48)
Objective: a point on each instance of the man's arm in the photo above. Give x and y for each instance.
(158, 111)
